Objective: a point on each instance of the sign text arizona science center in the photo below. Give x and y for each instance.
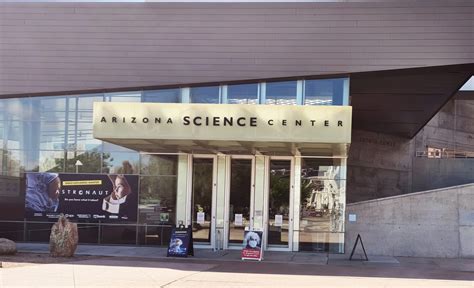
(302, 124)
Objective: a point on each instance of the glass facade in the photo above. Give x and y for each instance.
(322, 200)
(51, 134)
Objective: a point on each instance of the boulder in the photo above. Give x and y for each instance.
(63, 239)
(7, 247)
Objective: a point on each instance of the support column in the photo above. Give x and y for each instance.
(296, 203)
(259, 192)
(220, 202)
(182, 188)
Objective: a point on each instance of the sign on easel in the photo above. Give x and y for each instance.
(355, 245)
(181, 242)
(252, 246)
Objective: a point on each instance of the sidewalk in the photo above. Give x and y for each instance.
(148, 267)
(221, 255)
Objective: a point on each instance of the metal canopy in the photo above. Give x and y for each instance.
(401, 102)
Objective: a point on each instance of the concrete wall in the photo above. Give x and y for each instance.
(379, 165)
(435, 223)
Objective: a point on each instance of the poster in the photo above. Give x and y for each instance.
(200, 217)
(181, 243)
(252, 246)
(278, 220)
(81, 196)
(238, 220)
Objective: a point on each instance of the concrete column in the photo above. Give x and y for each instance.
(259, 192)
(220, 201)
(296, 203)
(182, 188)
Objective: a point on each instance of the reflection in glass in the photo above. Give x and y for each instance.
(115, 234)
(324, 92)
(322, 206)
(239, 203)
(205, 94)
(162, 96)
(155, 235)
(120, 162)
(157, 204)
(51, 161)
(153, 164)
(91, 161)
(126, 96)
(279, 202)
(202, 199)
(281, 93)
(242, 94)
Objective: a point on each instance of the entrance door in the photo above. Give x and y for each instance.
(202, 199)
(279, 203)
(240, 191)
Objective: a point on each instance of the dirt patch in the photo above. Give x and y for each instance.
(25, 259)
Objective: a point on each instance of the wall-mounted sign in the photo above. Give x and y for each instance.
(223, 122)
(81, 196)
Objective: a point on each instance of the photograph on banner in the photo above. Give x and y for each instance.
(81, 196)
(252, 245)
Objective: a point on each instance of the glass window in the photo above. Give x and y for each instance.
(205, 94)
(162, 96)
(322, 205)
(129, 96)
(51, 161)
(324, 92)
(120, 162)
(281, 93)
(159, 164)
(158, 200)
(242, 94)
(91, 161)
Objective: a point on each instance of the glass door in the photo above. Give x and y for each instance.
(240, 195)
(279, 228)
(202, 199)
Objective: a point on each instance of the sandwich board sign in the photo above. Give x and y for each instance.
(252, 246)
(181, 242)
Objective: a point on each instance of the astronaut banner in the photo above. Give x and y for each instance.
(81, 196)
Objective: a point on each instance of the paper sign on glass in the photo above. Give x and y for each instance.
(238, 220)
(278, 220)
(200, 217)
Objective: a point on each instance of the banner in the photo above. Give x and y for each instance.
(252, 246)
(81, 196)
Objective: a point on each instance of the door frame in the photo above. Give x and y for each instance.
(227, 198)
(189, 200)
(291, 212)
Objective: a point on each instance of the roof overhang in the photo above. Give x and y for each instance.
(401, 102)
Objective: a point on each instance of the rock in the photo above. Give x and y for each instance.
(7, 247)
(63, 239)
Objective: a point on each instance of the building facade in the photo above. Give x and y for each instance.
(272, 116)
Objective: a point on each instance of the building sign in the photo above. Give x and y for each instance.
(81, 196)
(223, 122)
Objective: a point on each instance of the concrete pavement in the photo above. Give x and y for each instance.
(224, 269)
